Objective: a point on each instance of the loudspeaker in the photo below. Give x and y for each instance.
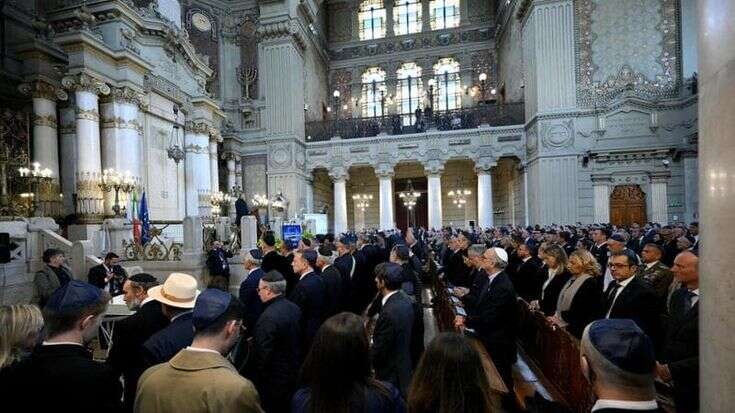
(4, 247)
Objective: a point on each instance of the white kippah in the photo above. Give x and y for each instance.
(501, 254)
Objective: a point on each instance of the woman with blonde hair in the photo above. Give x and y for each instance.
(555, 278)
(20, 328)
(580, 299)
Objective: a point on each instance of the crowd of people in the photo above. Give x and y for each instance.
(337, 324)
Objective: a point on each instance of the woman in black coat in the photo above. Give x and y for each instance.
(556, 278)
(580, 299)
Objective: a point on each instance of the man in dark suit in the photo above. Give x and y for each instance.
(457, 272)
(177, 297)
(391, 351)
(272, 260)
(680, 356)
(217, 263)
(126, 356)
(566, 242)
(309, 294)
(495, 316)
(241, 209)
(617, 358)
(527, 281)
(248, 296)
(668, 242)
(61, 373)
(333, 282)
(109, 275)
(599, 250)
(276, 355)
(629, 297)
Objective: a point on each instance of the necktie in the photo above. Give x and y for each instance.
(688, 297)
(614, 286)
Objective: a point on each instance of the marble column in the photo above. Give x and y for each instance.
(239, 176)
(484, 197)
(601, 198)
(339, 177)
(121, 138)
(434, 197)
(659, 200)
(526, 220)
(198, 178)
(310, 195)
(68, 161)
(385, 184)
(231, 176)
(717, 157)
(691, 188)
(45, 133)
(89, 159)
(214, 167)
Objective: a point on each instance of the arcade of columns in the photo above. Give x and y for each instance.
(100, 129)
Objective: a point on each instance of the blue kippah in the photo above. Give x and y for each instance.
(393, 273)
(210, 305)
(624, 344)
(256, 254)
(74, 295)
(310, 256)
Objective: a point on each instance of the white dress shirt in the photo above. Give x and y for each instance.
(625, 405)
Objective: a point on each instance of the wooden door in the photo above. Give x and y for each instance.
(627, 205)
(421, 210)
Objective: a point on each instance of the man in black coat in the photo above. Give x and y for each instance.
(680, 356)
(309, 294)
(217, 263)
(248, 296)
(272, 260)
(333, 283)
(391, 351)
(629, 297)
(177, 297)
(617, 358)
(527, 280)
(61, 372)
(109, 275)
(276, 354)
(495, 316)
(126, 355)
(457, 272)
(241, 209)
(599, 250)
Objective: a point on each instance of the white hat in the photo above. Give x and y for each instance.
(179, 290)
(502, 254)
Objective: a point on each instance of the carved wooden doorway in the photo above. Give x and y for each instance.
(627, 205)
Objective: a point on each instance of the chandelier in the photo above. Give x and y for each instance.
(34, 178)
(362, 201)
(459, 195)
(259, 201)
(409, 196)
(113, 180)
(217, 199)
(175, 148)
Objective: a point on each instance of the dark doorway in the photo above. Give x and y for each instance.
(627, 205)
(421, 210)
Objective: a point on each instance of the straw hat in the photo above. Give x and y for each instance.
(179, 290)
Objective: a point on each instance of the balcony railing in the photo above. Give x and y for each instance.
(468, 118)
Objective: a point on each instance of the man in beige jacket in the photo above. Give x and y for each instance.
(199, 378)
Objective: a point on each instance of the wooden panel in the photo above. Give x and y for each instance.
(627, 205)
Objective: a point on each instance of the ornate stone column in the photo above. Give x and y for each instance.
(45, 133)
(716, 149)
(239, 176)
(198, 178)
(215, 138)
(484, 192)
(601, 201)
(121, 143)
(659, 198)
(231, 176)
(433, 173)
(385, 185)
(339, 176)
(68, 150)
(310, 195)
(89, 160)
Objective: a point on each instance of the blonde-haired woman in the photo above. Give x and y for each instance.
(20, 328)
(555, 276)
(581, 297)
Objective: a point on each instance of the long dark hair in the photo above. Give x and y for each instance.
(450, 378)
(337, 368)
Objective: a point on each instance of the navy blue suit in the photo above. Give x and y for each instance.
(162, 346)
(249, 298)
(310, 295)
(391, 351)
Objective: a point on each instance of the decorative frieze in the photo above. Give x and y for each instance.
(43, 90)
(286, 29)
(199, 128)
(88, 114)
(45, 120)
(197, 149)
(126, 95)
(86, 83)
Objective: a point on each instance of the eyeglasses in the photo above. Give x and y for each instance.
(619, 265)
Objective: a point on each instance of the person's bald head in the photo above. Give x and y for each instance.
(686, 269)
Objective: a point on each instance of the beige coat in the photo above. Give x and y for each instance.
(194, 381)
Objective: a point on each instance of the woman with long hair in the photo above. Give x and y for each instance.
(20, 328)
(337, 373)
(580, 299)
(555, 278)
(451, 378)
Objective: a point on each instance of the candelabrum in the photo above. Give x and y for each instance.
(409, 198)
(362, 201)
(113, 180)
(259, 201)
(33, 178)
(483, 89)
(459, 195)
(217, 199)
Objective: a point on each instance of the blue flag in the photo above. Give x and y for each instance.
(145, 221)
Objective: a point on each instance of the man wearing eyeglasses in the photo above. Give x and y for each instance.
(629, 297)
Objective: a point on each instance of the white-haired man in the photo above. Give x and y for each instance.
(249, 288)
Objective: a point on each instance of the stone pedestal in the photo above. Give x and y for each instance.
(91, 232)
(435, 200)
(385, 183)
(117, 231)
(193, 242)
(340, 201)
(484, 198)
(198, 179)
(248, 232)
(717, 157)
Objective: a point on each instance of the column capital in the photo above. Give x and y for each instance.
(126, 94)
(288, 29)
(659, 176)
(384, 170)
(339, 174)
(42, 89)
(434, 167)
(601, 179)
(86, 83)
(199, 128)
(230, 156)
(484, 164)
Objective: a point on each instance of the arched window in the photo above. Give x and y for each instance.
(408, 92)
(406, 17)
(373, 92)
(447, 87)
(372, 20)
(444, 14)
